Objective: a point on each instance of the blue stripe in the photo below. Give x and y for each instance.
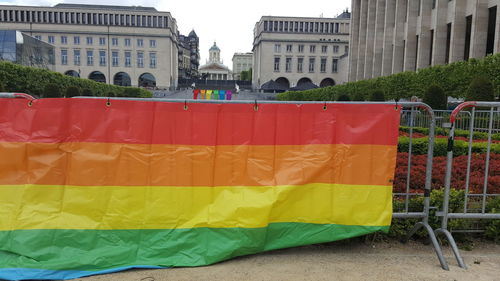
(45, 274)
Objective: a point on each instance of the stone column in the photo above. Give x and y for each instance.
(370, 38)
(439, 48)
(479, 29)
(387, 52)
(362, 40)
(424, 43)
(354, 39)
(411, 37)
(496, 49)
(398, 41)
(379, 39)
(457, 44)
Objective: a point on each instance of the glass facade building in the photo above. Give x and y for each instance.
(23, 49)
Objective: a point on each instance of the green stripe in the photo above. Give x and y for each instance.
(94, 250)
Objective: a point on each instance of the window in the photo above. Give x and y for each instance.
(288, 65)
(102, 58)
(289, 48)
(312, 48)
(140, 42)
(324, 49)
(490, 38)
(114, 41)
(76, 40)
(276, 64)
(152, 60)
(322, 66)
(277, 48)
(90, 57)
(335, 65)
(114, 58)
(300, 62)
(140, 59)
(128, 59)
(89, 41)
(448, 43)
(76, 57)
(152, 43)
(102, 41)
(127, 42)
(51, 39)
(468, 31)
(432, 47)
(64, 57)
(335, 49)
(64, 40)
(312, 61)
(301, 48)
(433, 4)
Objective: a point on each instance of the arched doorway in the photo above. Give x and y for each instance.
(72, 73)
(327, 82)
(147, 80)
(283, 82)
(122, 79)
(97, 76)
(303, 81)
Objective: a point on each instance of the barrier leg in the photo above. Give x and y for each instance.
(435, 243)
(453, 245)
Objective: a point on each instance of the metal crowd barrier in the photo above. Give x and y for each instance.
(409, 113)
(474, 205)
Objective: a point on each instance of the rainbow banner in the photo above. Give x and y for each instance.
(88, 187)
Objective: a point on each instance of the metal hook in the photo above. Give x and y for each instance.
(324, 107)
(108, 103)
(396, 107)
(256, 106)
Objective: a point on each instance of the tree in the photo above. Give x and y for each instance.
(435, 97)
(343, 97)
(377, 95)
(2, 87)
(73, 91)
(52, 90)
(480, 89)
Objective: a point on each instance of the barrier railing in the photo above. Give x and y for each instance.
(475, 200)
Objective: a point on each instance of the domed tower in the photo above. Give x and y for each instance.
(214, 54)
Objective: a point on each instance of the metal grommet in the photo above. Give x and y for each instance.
(325, 108)
(108, 103)
(30, 103)
(256, 106)
(185, 105)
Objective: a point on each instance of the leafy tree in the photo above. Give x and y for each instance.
(435, 97)
(52, 90)
(377, 95)
(2, 87)
(87, 92)
(480, 89)
(343, 97)
(73, 91)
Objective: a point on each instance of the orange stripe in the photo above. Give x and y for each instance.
(105, 164)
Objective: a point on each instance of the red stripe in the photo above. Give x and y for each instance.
(142, 122)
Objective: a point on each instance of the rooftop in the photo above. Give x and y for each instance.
(105, 7)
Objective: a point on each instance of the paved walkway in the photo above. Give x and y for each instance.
(188, 94)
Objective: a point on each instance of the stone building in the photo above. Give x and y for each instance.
(391, 36)
(189, 56)
(215, 68)
(20, 48)
(241, 62)
(123, 45)
(295, 50)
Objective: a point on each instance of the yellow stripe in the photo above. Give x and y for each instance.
(170, 207)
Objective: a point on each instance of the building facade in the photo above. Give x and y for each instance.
(391, 36)
(20, 48)
(293, 51)
(214, 69)
(241, 62)
(189, 56)
(123, 45)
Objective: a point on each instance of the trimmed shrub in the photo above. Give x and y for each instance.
(358, 97)
(131, 92)
(435, 97)
(73, 91)
(480, 89)
(343, 97)
(52, 90)
(111, 94)
(87, 92)
(377, 95)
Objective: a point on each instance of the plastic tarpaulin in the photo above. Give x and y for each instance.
(88, 188)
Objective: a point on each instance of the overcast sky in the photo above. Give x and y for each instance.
(229, 22)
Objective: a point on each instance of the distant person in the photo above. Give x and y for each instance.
(228, 95)
(195, 94)
(237, 88)
(222, 94)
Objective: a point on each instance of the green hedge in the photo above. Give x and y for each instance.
(18, 78)
(453, 78)
(419, 146)
(458, 133)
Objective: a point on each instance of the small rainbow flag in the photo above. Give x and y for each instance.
(88, 187)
